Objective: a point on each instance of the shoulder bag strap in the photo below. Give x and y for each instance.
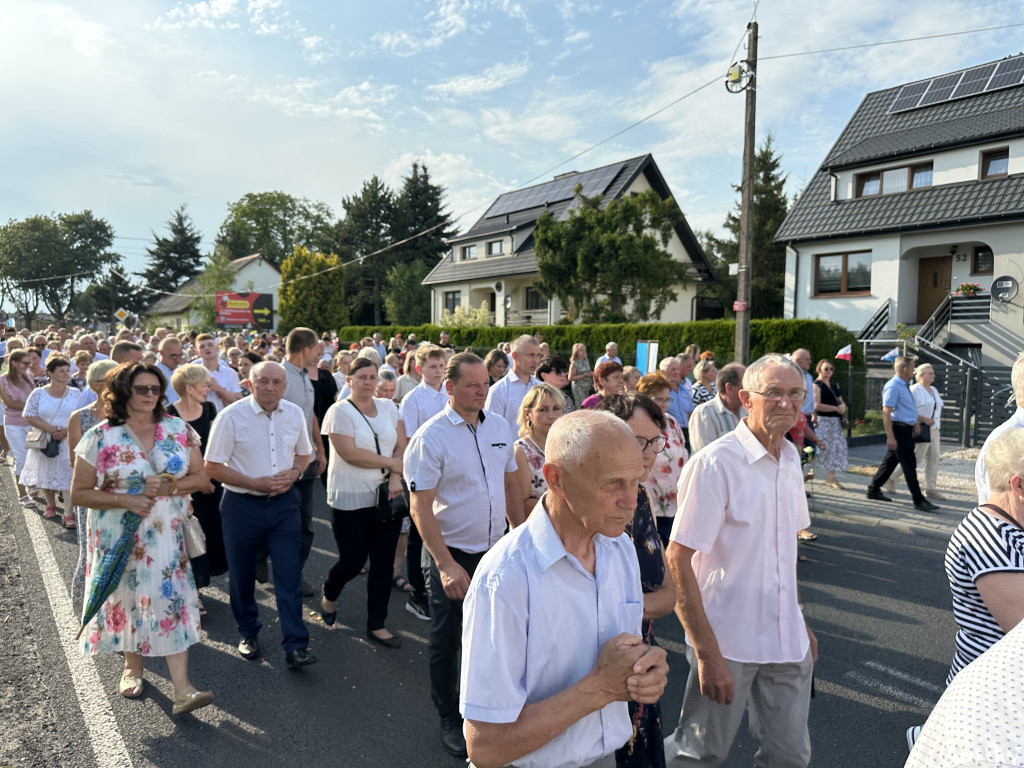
(376, 441)
(1002, 513)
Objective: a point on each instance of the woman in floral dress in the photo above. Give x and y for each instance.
(540, 408)
(647, 421)
(142, 461)
(663, 478)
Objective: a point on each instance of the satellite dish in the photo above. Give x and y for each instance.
(1004, 289)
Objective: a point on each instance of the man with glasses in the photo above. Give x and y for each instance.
(899, 418)
(733, 557)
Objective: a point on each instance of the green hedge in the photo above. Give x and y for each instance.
(822, 338)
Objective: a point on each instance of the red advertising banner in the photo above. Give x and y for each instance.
(241, 310)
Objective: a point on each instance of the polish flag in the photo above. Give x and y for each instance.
(846, 353)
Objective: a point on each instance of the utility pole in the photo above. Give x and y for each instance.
(746, 244)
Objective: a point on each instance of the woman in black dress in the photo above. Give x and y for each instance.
(192, 382)
(647, 421)
(325, 392)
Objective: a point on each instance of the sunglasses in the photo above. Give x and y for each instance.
(142, 389)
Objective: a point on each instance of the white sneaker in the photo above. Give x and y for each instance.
(913, 734)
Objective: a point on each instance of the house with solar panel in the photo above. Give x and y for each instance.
(922, 192)
(494, 262)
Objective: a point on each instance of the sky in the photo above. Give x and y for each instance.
(131, 109)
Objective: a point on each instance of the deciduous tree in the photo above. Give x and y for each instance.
(217, 275)
(273, 223)
(109, 292)
(312, 292)
(609, 263)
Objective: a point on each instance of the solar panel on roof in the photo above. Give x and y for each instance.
(909, 96)
(974, 81)
(1009, 72)
(941, 89)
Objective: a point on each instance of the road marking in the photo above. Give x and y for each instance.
(107, 744)
(890, 690)
(905, 677)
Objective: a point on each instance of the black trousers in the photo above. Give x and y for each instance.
(903, 455)
(446, 633)
(414, 562)
(358, 533)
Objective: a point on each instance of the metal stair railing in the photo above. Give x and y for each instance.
(938, 321)
(879, 322)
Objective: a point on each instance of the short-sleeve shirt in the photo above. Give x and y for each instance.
(929, 403)
(299, 390)
(896, 395)
(227, 377)
(740, 509)
(980, 545)
(467, 468)
(256, 443)
(350, 487)
(169, 393)
(507, 394)
(421, 405)
(535, 621)
(680, 403)
(14, 391)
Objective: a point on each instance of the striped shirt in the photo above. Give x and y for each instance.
(981, 544)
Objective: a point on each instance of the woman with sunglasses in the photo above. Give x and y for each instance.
(828, 412)
(144, 462)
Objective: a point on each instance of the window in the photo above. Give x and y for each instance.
(494, 248)
(534, 300)
(452, 299)
(842, 274)
(984, 261)
(894, 180)
(468, 252)
(995, 164)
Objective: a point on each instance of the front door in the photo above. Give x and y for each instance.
(934, 276)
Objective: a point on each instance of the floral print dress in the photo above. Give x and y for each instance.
(535, 458)
(154, 610)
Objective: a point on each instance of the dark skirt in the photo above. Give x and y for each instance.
(206, 507)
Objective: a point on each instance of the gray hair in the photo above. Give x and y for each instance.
(922, 368)
(701, 368)
(257, 369)
(1004, 458)
(98, 371)
(370, 354)
(666, 362)
(682, 358)
(902, 362)
(572, 435)
(754, 375)
(384, 375)
(523, 341)
(611, 344)
(729, 374)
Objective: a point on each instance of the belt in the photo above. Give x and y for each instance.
(257, 497)
(902, 424)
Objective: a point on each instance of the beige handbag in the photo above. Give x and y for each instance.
(37, 439)
(195, 537)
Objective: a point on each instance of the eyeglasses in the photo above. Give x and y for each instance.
(662, 401)
(775, 395)
(142, 389)
(657, 444)
(827, 368)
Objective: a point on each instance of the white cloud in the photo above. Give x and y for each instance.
(491, 79)
(209, 14)
(450, 18)
(88, 38)
(576, 37)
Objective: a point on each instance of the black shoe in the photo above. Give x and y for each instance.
(262, 571)
(877, 495)
(249, 648)
(387, 642)
(329, 617)
(452, 737)
(418, 607)
(299, 658)
(307, 589)
(925, 506)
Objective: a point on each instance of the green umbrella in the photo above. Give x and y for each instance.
(110, 570)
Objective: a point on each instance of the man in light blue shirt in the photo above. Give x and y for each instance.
(507, 394)
(551, 642)
(899, 417)
(611, 354)
(680, 395)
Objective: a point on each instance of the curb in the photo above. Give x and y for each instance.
(902, 526)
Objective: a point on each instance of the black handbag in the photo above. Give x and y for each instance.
(925, 435)
(387, 509)
(52, 449)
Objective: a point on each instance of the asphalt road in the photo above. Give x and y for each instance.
(877, 599)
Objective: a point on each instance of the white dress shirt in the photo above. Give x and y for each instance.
(535, 621)
(256, 443)
(507, 394)
(227, 377)
(605, 359)
(467, 467)
(710, 421)
(741, 510)
(421, 405)
(981, 469)
(169, 393)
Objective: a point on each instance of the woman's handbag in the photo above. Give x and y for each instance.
(195, 537)
(52, 449)
(387, 509)
(925, 435)
(37, 439)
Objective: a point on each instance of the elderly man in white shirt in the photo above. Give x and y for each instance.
(1016, 421)
(551, 646)
(720, 415)
(733, 558)
(462, 474)
(507, 393)
(259, 448)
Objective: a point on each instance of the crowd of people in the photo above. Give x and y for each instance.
(493, 491)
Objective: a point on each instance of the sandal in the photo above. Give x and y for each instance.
(834, 484)
(202, 608)
(130, 687)
(806, 536)
(69, 522)
(400, 584)
(50, 512)
(27, 502)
